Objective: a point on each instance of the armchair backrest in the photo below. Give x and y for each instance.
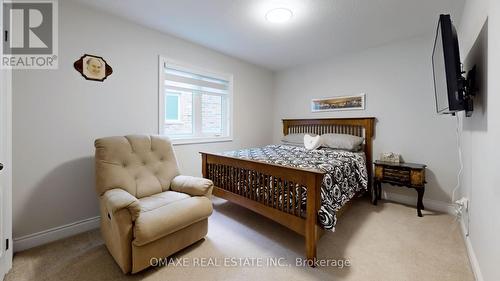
(140, 165)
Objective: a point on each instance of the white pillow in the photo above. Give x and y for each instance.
(312, 142)
(342, 141)
(294, 138)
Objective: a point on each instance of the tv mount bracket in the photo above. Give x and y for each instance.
(467, 86)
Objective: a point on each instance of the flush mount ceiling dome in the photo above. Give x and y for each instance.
(279, 15)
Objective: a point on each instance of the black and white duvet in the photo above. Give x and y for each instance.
(345, 173)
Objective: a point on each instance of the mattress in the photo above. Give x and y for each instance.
(345, 173)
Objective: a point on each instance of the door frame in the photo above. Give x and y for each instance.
(6, 243)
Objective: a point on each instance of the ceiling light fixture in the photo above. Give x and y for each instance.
(279, 15)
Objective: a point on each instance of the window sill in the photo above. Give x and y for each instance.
(200, 140)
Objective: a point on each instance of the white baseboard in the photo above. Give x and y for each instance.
(474, 263)
(429, 204)
(43, 237)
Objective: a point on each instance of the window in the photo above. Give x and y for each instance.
(195, 105)
(172, 107)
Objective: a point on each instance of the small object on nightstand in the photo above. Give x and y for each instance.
(390, 157)
(401, 174)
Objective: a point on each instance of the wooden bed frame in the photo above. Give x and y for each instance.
(250, 183)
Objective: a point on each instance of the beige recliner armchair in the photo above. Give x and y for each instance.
(147, 209)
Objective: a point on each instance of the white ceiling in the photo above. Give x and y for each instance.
(318, 29)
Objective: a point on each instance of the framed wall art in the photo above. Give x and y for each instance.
(93, 67)
(353, 102)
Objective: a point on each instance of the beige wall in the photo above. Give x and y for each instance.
(398, 83)
(58, 114)
(480, 45)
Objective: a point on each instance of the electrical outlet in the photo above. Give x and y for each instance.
(463, 203)
(463, 211)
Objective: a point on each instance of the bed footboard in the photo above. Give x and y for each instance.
(287, 195)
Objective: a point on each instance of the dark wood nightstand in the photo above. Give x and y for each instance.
(401, 174)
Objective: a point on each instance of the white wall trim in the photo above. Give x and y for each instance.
(46, 236)
(429, 204)
(474, 263)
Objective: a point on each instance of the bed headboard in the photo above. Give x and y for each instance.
(362, 127)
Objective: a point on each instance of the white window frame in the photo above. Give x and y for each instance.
(201, 71)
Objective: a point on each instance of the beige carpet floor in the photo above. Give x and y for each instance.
(384, 242)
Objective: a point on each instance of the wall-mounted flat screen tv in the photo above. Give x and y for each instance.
(448, 80)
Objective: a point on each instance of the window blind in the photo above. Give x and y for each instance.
(184, 81)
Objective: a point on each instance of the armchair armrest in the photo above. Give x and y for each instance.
(193, 186)
(117, 199)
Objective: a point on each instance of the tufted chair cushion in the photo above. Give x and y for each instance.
(141, 165)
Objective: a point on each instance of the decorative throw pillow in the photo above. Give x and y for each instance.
(312, 142)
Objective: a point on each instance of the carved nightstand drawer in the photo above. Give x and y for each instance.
(402, 176)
